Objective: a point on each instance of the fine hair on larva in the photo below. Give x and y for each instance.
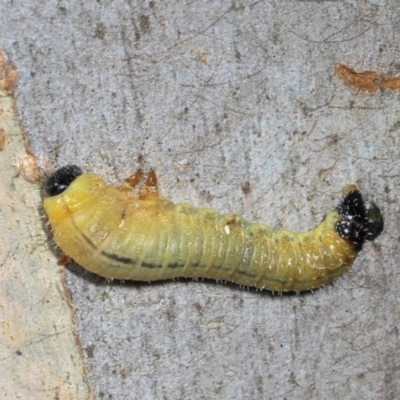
(129, 232)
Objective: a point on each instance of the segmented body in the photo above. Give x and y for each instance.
(119, 233)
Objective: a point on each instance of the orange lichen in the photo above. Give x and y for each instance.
(368, 81)
(2, 139)
(8, 75)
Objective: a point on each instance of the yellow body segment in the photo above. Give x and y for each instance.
(118, 233)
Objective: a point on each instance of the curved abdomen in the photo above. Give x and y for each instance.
(165, 241)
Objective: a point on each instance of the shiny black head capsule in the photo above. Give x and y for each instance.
(61, 179)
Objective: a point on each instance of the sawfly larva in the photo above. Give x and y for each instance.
(122, 232)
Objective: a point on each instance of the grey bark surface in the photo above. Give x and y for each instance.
(237, 107)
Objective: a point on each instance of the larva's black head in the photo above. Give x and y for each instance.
(359, 222)
(61, 179)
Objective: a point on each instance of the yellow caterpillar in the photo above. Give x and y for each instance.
(120, 232)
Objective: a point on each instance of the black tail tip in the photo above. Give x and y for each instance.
(375, 222)
(359, 222)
